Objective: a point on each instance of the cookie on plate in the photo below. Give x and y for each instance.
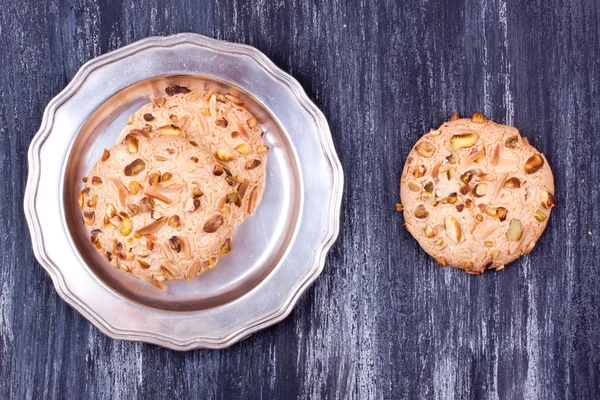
(217, 123)
(475, 194)
(156, 207)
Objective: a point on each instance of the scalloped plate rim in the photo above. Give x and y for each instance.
(301, 285)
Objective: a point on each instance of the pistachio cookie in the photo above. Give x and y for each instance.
(217, 123)
(476, 195)
(160, 208)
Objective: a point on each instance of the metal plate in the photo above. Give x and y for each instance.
(277, 253)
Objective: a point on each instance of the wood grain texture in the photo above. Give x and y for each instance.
(383, 321)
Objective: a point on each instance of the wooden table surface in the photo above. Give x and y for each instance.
(383, 320)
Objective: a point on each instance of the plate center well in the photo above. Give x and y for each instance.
(259, 244)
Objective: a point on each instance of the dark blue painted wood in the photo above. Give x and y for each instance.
(383, 321)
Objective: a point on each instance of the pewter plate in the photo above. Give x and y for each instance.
(277, 253)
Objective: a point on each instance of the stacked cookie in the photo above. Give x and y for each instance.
(164, 202)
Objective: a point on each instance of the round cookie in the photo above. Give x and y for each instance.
(215, 122)
(155, 208)
(475, 194)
